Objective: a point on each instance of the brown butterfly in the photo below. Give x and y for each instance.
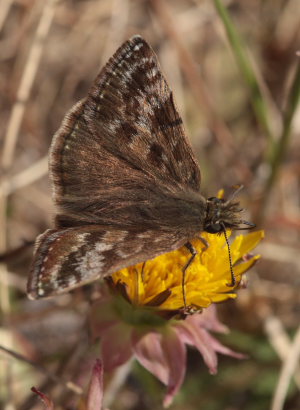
(125, 180)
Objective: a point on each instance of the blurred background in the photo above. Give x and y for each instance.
(234, 70)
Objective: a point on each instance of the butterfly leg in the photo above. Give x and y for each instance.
(193, 252)
(142, 271)
(204, 242)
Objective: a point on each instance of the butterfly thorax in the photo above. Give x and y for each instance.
(221, 214)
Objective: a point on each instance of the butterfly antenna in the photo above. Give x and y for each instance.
(233, 278)
(250, 225)
(237, 189)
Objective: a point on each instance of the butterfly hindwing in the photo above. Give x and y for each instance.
(68, 258)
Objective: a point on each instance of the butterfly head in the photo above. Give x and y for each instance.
(223, 214)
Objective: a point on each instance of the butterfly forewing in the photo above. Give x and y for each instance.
(132, 107)
(127, 134)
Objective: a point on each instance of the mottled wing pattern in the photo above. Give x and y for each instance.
(123, 144)
(72, 257)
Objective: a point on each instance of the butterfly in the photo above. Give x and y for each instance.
(125, 181)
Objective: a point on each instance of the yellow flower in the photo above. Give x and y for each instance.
(150, 326)
(158, 282)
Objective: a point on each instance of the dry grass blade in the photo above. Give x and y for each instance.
(4, 10)
(70, 385)
(27, 80)
(25, 177)
(118, 22)
(287, 371)
(197, 85)
(280, 341)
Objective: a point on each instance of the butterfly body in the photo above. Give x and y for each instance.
(124, 177)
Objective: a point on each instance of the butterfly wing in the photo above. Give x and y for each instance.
(68, 258)
(123, 145)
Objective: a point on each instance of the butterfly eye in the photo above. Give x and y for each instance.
(216, 200)
(214, 228)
